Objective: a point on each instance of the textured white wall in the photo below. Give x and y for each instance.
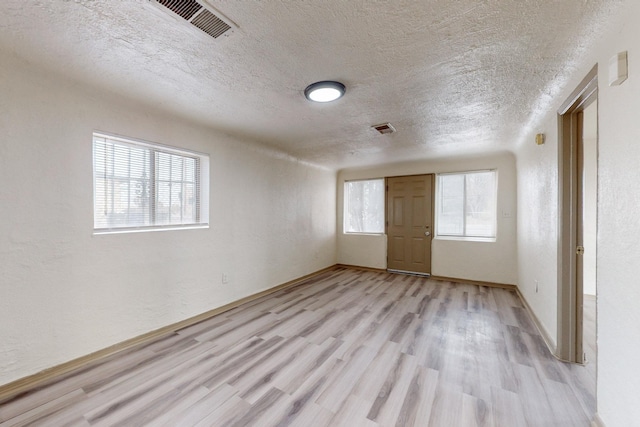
(618, 269)
(65, 293)
(618, 231)
(537, 167)
(485, 261)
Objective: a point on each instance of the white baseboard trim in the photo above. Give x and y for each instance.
(597, 421)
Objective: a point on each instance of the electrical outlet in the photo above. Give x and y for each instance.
(536, 286)
(225, 278)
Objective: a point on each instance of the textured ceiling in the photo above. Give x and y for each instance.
(453, 77)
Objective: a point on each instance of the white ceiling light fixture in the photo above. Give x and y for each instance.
(325, 91)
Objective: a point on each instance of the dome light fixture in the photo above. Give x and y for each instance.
(325, 91)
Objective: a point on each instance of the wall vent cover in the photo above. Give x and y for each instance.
(384, 128)
(204, 18)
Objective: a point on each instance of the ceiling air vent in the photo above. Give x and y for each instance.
(210, 24)
(384, 128)
(184, 8)
(214, 24)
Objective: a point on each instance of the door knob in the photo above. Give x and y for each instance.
(426, 233)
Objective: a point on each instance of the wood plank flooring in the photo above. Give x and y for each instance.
(589, 335)
(346, 348)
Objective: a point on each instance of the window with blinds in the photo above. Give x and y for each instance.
(144, 186)
(466, 205)
(364, 206)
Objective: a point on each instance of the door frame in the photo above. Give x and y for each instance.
(431, 225)
(570, 287)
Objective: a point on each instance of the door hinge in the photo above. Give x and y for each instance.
(580, 250)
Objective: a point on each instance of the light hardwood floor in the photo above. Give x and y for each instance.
(589, 344)
(346, 348)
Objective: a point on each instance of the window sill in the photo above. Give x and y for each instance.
(467, 239)
(362, 234)
(148, 229)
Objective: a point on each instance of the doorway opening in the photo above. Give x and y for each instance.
(577, 193)
(589, 229)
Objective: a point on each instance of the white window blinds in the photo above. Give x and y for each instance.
(466, 204)
(141, 185)
(364, 206)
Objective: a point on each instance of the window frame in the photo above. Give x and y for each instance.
(345, 210)
(201, 184)
(464, 236)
